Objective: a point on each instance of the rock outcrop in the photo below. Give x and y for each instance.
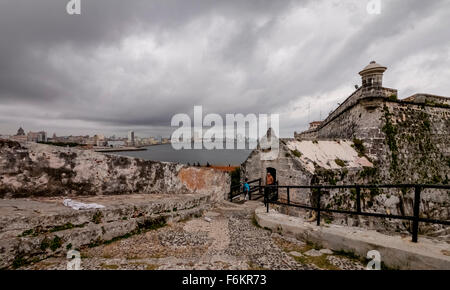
(30, 170)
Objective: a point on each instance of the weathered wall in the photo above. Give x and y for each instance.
(289, 171)
(34, 169)
(407, 143)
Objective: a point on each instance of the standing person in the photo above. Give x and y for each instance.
(269, 181)
(246, 189)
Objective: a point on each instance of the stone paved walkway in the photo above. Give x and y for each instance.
(226, 237)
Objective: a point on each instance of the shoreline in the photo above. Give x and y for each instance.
(125, 149)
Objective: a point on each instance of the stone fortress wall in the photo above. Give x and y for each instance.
(405, 140)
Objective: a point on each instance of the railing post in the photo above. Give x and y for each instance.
(318, 206)
(259, 185)
(415, 229)
(288, 196)
(358, 199)
(265, 196)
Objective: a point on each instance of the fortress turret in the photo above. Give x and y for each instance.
(372, 75)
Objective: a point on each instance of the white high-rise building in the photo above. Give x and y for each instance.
(131, 141)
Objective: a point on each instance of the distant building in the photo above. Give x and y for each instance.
(314, 125)
(20, 136)
(37, 136)
(115, 143)
(131, 141)
(20, 132)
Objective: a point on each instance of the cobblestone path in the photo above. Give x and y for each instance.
(226, 237)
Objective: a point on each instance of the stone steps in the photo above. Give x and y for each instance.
(31, 230)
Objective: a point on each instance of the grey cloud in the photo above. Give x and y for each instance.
(77, 69)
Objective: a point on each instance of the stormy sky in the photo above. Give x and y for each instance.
(124, 65)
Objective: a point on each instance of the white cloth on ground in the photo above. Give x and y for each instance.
(80, 205)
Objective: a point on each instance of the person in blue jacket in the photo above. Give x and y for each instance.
(246, 189)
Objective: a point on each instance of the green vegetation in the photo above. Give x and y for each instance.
(97, 217)
(66, 226)
(254, 221)
(391, 131)
(109, 267)
(434, 104)
(393, 97)
(56, 243)
(45, 244)
(27, 233)
(296, 153)
(340, 162)
(359, 147)
(328, 176)
(368, 172)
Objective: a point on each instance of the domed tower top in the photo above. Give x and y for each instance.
(372, 75)
(20, 132)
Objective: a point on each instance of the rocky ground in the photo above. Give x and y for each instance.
(226, 237)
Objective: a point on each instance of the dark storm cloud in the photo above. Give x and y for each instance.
(134, 64)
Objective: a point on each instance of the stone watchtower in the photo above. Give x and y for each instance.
(372, 75)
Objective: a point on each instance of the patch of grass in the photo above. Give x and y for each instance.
(19, 261)
(340, 162)
(151, 267)
(66, 226)
(296, 153)
(255, 222)
(359, 147)
(320, 261)
(45, 244)
(26, 233)
(97, 217)
(109, 267)
(56, 243)
(393, 97)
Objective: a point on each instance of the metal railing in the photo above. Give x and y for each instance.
(237, 190)
(416, 219)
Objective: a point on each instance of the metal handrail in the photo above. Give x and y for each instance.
(416, 219)
(252, 189)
